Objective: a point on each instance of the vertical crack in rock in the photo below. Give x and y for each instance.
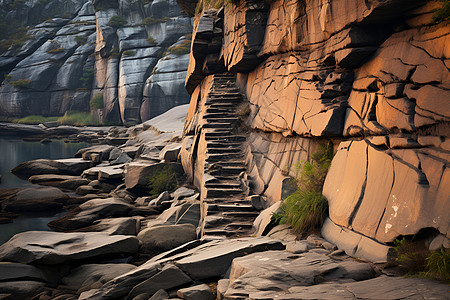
(362, 192)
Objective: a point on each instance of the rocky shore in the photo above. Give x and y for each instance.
(117, 242)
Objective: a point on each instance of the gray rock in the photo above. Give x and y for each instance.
(165, 237)
(122, 159)
(71, 166)
(159, 295)
(116, 226)
(187, 212)
(182, 192)
(137, 173)
(59, 181)
(214, 258)
(56, 248)
(355, 244)
(16, 272)
(283, 232)
(89, 276)
(164, 196)
(20, 289)
(170, 152)
(197, 292)
(222, 286)
(263, 220)
(36, 199)
(298, 247)
(168, 278)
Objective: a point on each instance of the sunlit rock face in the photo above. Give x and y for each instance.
(81, 48)
(370, 76)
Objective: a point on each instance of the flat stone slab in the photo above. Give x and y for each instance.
(56, 248)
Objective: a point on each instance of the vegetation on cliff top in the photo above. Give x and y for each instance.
(443, 13)
(306, 209)
(117, 21)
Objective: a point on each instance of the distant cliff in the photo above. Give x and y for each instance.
(370, 76)
(131, 56)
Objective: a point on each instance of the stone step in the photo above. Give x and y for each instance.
(241, 214)
(222, 105)
(218, 116)
(224, 96)
(227, 170)
(224, 137)
(223, 184)
(214, 158)
(218, 125)
(223, 150)
(222, 144)
(222, 119)
(227, 201)
(221, 110)
(239, 226)
(230, 94)
(230, 208)
(222, 192)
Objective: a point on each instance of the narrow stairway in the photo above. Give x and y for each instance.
(226, 211)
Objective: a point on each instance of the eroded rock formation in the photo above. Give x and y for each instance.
(370, 76)
(133, 54)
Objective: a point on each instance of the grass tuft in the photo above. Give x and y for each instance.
(78, 118)
(97, 102)
(164, 179)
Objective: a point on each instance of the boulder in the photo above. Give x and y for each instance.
(115, 226)
(170, 152)
(16, 272)
(56, 248)
(168, 278)
(182, 192)
(90, 211)
(59, 181)
(278, 271)
(161, 238)
(70, 166)
(89, 276)
(22, 289)
(137, 174)
(36, 199)
(188, 212)
(197, 292)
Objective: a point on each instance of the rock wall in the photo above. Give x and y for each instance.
(73, 51)
(370, 76)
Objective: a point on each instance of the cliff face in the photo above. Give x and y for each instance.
(133, 53)
(371, 76)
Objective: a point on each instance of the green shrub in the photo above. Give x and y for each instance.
(129, 52)
(438, 265)
(443, 13)
(81, 39)
(151, 40)
(117, 21)
(151, 20)
(415, 259)
(163, 179)
(21, 83)
(306, 208)
(97, 102)
(183, 48)
(86, 78)
(55, 51)
(13, 36)
(77, 118)
(35, 119)
(8, 77)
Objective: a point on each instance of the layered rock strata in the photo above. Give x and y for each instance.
(372, 77)
(133, 55)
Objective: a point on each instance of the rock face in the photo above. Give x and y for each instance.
(131, 54)
(332, 71)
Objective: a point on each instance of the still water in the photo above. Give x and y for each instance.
(16, 151)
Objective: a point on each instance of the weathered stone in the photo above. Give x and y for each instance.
(89, 276)
(70, 166)
(56, 248)
(169, 277)
(16, 272)
(197, 292)
(170, 152)
(137, 173)
(165, 237)
(36, 199)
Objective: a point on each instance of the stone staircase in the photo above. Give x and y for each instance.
(225, 211)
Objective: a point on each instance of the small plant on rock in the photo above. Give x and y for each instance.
(164, 179)
(55, 51)
(97, 102)
(117, 21)
(151, 40)
(443, 13)
(438, 265)
(306, 209)
(21, 83)
(129, 52)
(81, 39)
